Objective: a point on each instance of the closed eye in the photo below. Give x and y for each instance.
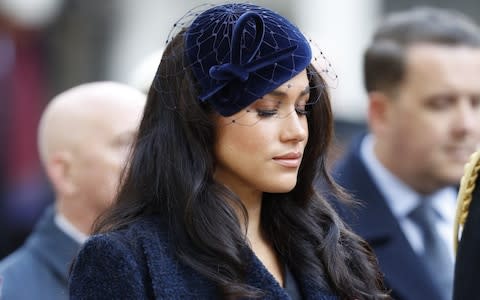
(265, 113)
(301, 110)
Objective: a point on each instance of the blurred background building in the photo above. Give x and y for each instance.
(47, 46)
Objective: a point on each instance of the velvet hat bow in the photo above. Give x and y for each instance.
(240, 52)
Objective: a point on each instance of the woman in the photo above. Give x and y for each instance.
(218, 198)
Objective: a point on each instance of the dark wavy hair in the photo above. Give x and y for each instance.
(170, 175)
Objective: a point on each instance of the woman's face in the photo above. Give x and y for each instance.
(260, 148)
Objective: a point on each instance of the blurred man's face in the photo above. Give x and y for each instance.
(100, 159)
(433, 120)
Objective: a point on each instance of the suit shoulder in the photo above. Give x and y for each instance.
(18, 263)
(20, 273)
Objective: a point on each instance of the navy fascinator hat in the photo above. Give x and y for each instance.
(240, 52)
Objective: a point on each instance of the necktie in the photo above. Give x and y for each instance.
(435, 256)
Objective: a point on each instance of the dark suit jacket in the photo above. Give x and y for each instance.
(39, 269)
(374, 221)
(139, 263)
(467, 265)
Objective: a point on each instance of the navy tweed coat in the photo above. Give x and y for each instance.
(138, 263)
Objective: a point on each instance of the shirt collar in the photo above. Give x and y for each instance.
(392, 188)
(69, 229)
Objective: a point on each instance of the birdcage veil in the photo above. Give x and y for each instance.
(233, 54)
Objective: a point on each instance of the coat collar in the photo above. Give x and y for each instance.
(162, 263)
(260, 277)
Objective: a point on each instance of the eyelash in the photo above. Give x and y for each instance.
(303, 112)
(265, 113)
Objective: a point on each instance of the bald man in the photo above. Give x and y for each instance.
(84, 138)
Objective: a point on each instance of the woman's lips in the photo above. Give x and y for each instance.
(289, 160)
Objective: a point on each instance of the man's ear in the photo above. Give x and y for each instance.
(378, 112)
(59, 171)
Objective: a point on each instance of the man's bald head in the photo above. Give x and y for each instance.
(84, 137)
(76, 112)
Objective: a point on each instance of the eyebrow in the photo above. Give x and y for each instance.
(278, 93)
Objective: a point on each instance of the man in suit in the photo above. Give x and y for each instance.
(84, 138)
(421, 74)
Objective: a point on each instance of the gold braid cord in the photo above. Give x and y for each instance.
(464, 198)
